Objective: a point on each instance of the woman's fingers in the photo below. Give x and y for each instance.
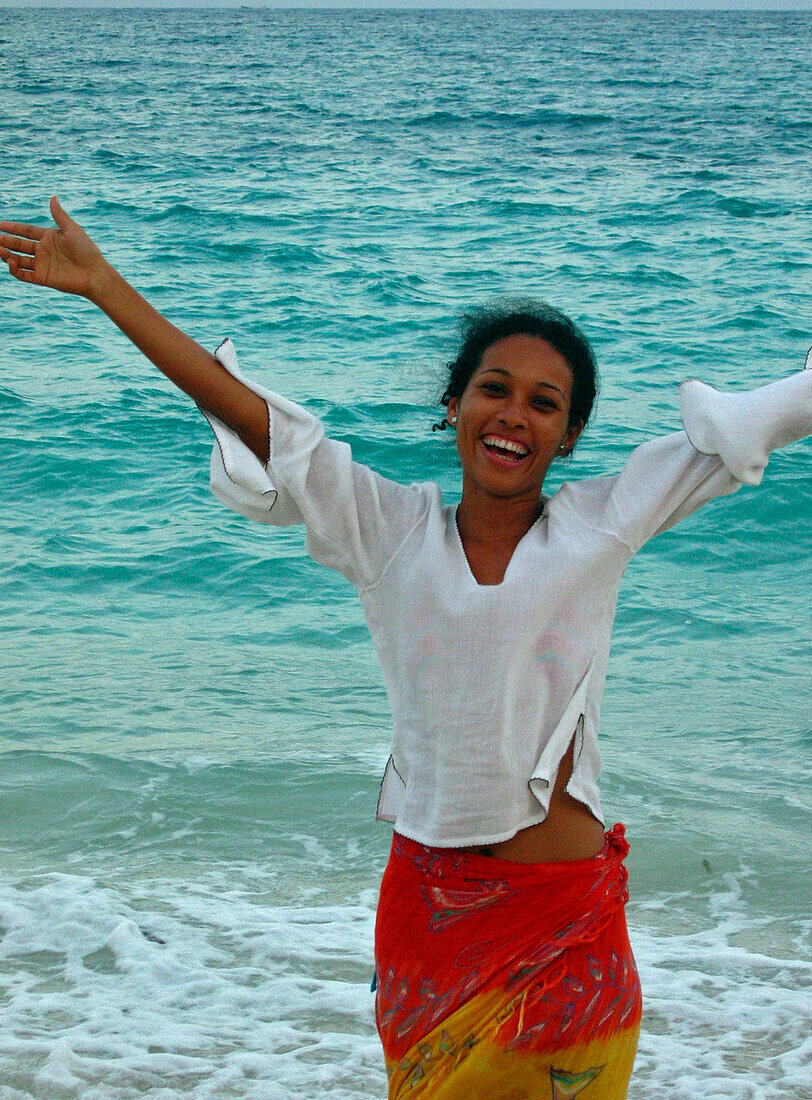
(15, 261)
(19, 254)
(62, 257)
(17, 244)
(21, 261)
(15, 268)
(6, 255)
(30, 232)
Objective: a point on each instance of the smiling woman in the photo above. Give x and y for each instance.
(512, 417)
(503, 963)
(522, 387)
(482, 328)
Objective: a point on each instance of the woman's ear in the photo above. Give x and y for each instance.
(567, 444)
(451, 411)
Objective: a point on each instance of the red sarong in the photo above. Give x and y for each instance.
(499, 980)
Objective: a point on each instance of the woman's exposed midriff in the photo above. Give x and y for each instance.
(570, 831)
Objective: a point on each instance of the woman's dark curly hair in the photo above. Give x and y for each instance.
(480, 328)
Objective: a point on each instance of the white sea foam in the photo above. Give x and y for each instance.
(726, 1007)
(242, 999)
(246, 998)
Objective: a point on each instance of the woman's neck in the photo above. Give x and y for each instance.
(496, 521)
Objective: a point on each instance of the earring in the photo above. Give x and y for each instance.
(453, 420)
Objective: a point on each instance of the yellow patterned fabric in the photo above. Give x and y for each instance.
(506, 981)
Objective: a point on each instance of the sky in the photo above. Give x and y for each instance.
(591, 5)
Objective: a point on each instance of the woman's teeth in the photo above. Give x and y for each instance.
(505, 448)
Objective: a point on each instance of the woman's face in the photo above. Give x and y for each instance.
(512, 420)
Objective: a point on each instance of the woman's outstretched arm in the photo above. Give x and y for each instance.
(66, 259)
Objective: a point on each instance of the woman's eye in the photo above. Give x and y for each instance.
(493, 387)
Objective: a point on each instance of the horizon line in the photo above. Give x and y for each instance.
(744, 7)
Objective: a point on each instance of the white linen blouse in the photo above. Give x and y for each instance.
(488, 685)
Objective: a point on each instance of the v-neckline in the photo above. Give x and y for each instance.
(543, 499)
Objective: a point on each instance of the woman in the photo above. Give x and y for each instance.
(503, 965)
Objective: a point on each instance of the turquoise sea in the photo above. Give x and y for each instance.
(192, 721)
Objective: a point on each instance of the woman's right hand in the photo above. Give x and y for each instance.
(64, 258)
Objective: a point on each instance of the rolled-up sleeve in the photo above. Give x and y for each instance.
(355, 520)
(727, 441)
(663, 481)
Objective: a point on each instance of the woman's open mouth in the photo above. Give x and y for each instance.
(504, 452)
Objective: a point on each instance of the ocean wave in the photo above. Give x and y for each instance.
(9, 399)
(154, 909)
(442, 119)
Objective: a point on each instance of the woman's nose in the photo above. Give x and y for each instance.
(513, 412)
